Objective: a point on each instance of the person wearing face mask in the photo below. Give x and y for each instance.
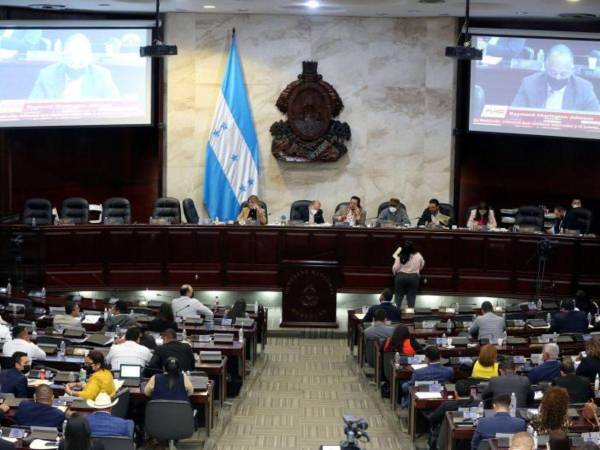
(352, 214)
(311, 213)
(557, 88)
(14, 381)
(101, 379)
(394, 213)
(75, 77)
(482, 217)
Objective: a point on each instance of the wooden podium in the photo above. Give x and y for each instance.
(309, 294)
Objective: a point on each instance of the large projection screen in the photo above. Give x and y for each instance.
(74, 77)
(537, 86)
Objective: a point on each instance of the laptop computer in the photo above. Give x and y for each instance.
(11, 400)
(43, 433)
(49, 349)
(223, 338)
(99, 339)
(130, 374)
(65, 377)
(244, 321)
(76, 333)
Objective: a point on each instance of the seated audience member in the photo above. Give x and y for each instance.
(402, 342)
(570, 221)
(129, 351)
(567, 320)
(21, 342)
(509, 382)
(378, 330)
(353, 214)
(433, 372)
(253, 212)
(436, 418)
(590, 365)
(101, 379)
(549, 369)
(13, 381)
(385, 302)
(187, 306)
(559, 217)
(238, 311)
(522, 441)
(486, 366)
(482, 217)
(40, 412)
(433, 216)
(552, 412)
(70, 319)
(407, 274)
(577, 386)
(488, 325)
(394, 213)
(119, 317)
(164, 320)
(77, 435)
(171, 385)
(584, 303)
(171, 347)
(311, 213)
(558, 440)
(103, 423)
(500, 422)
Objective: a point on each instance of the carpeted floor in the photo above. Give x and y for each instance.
(298, 396)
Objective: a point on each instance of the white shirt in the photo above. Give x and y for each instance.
(21, 345)
(190, 307)
(66, 321)
(555, 98)
(129, 352)
(5, 333)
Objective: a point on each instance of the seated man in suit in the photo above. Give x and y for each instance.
(353, 214)
(433, 372)
(385, 302)
(311, 213)
(557, 88)
(40, 412)
(394, 213)
(12, 381)
(578, 386)
(70, 319)
(488, 325)
(568, 320)
(378, 330)
(549, 369)
(509, 382)
(432, 215)
(501, 422)
(102, 423)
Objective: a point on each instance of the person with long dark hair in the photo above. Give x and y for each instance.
(101, 379)
(482, 217)
(238, 310)
(406, 270)
(171, 385)
(164, 320)
(78, 436)
(402, 342)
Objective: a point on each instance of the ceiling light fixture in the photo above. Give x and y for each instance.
(312, 4)
(209, 6)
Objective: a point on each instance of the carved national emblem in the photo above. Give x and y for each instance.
(310, 133)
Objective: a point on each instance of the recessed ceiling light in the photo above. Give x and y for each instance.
(521, 13)
(572, 1)
(209, 6)
(312, 4)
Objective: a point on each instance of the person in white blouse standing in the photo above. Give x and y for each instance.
(407, 269)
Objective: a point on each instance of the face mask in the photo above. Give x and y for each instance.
(557, 84)
(313, 211)
(26, 369)
(88, 368)
(393, 209)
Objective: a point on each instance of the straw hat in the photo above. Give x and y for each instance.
(102, 401)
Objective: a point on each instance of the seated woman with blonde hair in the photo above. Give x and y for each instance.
(486, 366)
(253, 212)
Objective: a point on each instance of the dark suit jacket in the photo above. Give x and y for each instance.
(501, 422)
(13, 382)
(570, 322)
(391, 310)
(105, 424)
(426, 218)
(589, 367)
(579, 94)
(301, 214)
(507, 384)
(548, 371)
(433, 372)
(578, 387)
(183, 353)
(40, 415)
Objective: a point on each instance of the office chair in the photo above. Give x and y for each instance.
(530, 216)
(169, 420)
(75, 210)
(448, 210)
(116, 210)
(167, 208)
(114, 442)
(579, 219)
(38, 208)
(297, 207)
(189, 211)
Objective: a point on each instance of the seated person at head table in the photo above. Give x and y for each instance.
(173, 384)
(571, 222)
(128, 350)
(352, 214)
(238, 310)
(567, 320)
(253, 212)
(171, 347)
(101, 379)
(486, 366)
(164, 320)
(433, 372)
(385, 303)
(482, 217)
(488, 325)
(589, 366)
(378, 329)
(394, 213)
(103, 423)
(553, 412)
(500, 422)
(13, 380)
(71, 318)
(509, 382)
(557, 87)
(40, 412)
(119, 317)
(21, 342)
(311, 213)
(402, 342)
(522, 441)
(559, 217)
(77, 435)
(578, 386)
(187, 306)
(549, 369)
(433, 216)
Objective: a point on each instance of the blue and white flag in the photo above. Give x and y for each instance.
(231, 172)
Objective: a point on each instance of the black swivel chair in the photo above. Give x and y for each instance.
(530, 216)
(116, 210)
(297, 207)
(169, 420)
(579, 219)
(385, 205)
(262, 204)
(167, 208)
(448, 210)
(114, 442)
(189, 211)
(38, 208)
(75, 210)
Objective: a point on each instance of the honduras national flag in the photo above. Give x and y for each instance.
(231, 173)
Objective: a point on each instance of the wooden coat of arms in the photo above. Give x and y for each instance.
(310, 133)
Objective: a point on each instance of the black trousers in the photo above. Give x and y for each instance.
(406, 284)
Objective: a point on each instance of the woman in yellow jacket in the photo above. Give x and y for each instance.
(486, 366)
(101, 379)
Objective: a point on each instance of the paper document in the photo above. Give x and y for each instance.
(418, 366)
(428, 395)
(91, 319)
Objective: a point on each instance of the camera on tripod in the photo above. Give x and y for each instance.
(355, 429)
(544, 247)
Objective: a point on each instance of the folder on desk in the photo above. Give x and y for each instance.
(428, 395)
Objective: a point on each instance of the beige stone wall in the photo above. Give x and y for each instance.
(396, 84)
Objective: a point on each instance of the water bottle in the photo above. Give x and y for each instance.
(444, 339)
(597, 383)
(256, 308)
(513, 404)
(33, 331)
(539, 304)
(549, 318)
(216, 301)
(43, 292)
(33, 222)
(63, 348)
(105, 314)
(82, 375)
(535, 439)
(397, 359)
(8, 288)
(241, 335)
(184, 334)
(456, 308)
(480, 409)
(449, 326)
